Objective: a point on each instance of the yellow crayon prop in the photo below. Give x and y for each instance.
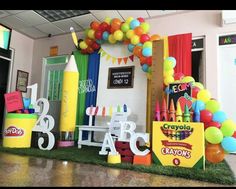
(69, 96)
(74, 37)
(179, 113)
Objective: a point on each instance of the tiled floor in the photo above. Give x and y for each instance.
(31, 171)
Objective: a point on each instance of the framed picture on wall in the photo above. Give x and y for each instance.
(22, 81)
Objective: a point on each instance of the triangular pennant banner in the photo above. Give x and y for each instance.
(103, 53)
(125, 59)
(131, 57)
(100, 50)
(119, 60)
(113, 60)
(108, 57)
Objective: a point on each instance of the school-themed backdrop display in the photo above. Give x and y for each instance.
(178, 144)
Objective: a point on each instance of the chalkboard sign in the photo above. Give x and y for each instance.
(120, 77)
(181, 92)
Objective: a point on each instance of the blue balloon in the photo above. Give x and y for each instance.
(219, 116)
(229, 144)
(201, 105)
(134, 23)
(105, 35)
(147, 51)
(145, 67)
(131, 47)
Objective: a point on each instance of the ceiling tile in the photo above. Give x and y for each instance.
(14, 22)
(66, 24)
(84, 20)
(49, 29)
(102, 14)
(133, 13)
(33, 32)
(3, 13)
(14, 11)
(160, 12)
(31, 18)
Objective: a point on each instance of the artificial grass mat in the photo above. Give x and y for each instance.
(219, 173)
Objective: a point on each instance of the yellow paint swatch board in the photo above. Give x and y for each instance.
(178, 144)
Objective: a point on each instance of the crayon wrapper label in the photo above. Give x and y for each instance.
(69, 101)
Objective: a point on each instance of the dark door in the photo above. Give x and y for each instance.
(4, 68)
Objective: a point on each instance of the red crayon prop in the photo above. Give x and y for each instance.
(164, 110)
(96, 111)
(157, 115)
(172, 111)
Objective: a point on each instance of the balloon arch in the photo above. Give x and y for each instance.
(220, 131)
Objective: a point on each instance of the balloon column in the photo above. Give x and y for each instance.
(220, 131)
(132, 32)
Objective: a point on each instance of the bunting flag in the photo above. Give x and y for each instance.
(114, 59)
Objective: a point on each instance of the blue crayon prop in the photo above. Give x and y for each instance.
(125, 108)
(196, 114)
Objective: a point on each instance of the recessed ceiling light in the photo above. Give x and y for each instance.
(55, 15)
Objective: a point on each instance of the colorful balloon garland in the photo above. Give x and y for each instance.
(132, 32)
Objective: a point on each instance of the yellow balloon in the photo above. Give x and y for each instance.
(129, 19)
(169, 73)
(111, 39)
(134, 40)
(168, 80)
(118, 35)
(91, 34)
(83, 45)
(188, 79)
(204, 95)
(129, 34)
(145, 27)
(107, 20)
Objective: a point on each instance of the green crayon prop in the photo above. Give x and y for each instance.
(186, 114)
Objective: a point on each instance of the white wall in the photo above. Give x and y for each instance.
(134, 98)
(23, 47)
(42, 49)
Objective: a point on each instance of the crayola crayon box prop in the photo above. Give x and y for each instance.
(178, 144)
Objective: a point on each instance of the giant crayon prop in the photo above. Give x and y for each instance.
(68, 103)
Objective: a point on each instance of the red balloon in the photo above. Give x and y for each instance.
(212, 124)
(205, 116)
(234, 135)
(84, 51)
(178, 76)
(98, 34)
(95, 46)
(195, 90)
(140, 19)
(89, 50)
(89, 41)
(144, 38)
(149, 61)
(103, 26)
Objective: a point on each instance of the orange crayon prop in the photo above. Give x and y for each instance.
(103, 111)
(163, 110)
(172, 111)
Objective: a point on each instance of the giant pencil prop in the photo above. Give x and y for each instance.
(68, 103)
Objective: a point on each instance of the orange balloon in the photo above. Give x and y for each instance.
(89, 41)
(90, 50)
(143, 60)
(116, 23)
(138, 51)
(126, 41)
(155, 37)
(214, 153)
(95, 25)
(138, 30)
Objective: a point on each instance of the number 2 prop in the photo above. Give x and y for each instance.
(45, 123)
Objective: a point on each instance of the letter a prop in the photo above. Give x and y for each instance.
(108, 143)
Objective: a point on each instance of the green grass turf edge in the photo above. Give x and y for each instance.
(219, 173)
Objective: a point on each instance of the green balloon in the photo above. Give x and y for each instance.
(125, 27)
(213, 135)
(167, 65)
(199, 85)
(227, 127)
(213, 106)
